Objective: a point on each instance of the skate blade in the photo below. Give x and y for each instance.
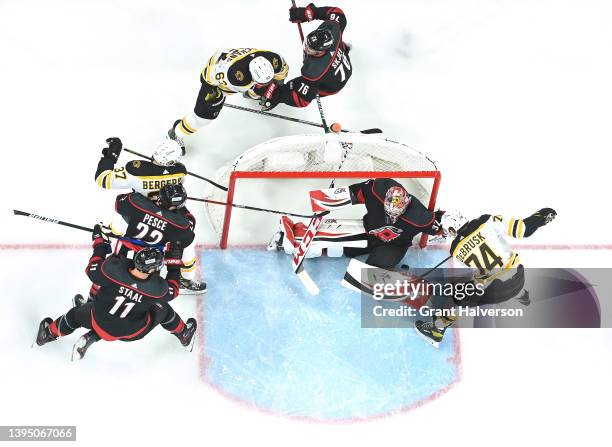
(435, 344)
(189, 347)
(192, 292)
(80, 343)
(34, 344)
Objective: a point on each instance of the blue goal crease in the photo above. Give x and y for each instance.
(271, 344)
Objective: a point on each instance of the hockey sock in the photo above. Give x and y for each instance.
(442, 323)
(190, 124)
(173, 323)
(64, 325)
(189, 269)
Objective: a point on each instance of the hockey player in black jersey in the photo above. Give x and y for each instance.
(147, 178)
(131, 301)
(481, 245)
(157, 223)
(327, 66)
(394, 217)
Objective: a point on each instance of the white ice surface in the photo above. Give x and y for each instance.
(511, 98)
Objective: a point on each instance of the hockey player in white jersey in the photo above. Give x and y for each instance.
(143, 176)
(147, 178)
(481, 245)
(229, 71)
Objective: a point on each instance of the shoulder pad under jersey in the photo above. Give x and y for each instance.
(314, 68)
(116, 269)
(140, 168)
(467, 229)
(177, 220)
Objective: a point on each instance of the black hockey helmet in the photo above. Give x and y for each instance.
(149, 260)
(172, 196)
(318, 42)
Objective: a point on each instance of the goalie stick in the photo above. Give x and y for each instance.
(299, 254)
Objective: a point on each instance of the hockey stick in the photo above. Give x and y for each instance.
(51, 220)
(437, 265)
(82, 228)
(253, 208)
(374, 130)
(319, 105)
(299, 253)
(224, 188)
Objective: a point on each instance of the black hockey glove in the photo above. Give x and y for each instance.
(173, 255)
(301, 15)
(270, 97)
(114, 148)
(538, 219)
(100, 235)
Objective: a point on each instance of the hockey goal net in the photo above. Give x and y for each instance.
(278, 174)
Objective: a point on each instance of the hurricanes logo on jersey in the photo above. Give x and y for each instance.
(386, 234)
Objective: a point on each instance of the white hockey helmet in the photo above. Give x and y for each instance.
(261, 70)
(167, 153)
(451, 222)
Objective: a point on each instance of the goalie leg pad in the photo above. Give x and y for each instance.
(333, 235)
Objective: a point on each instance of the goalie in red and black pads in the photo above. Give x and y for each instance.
(156, 223)
(132, 299)
(394, 217)
(327, 66)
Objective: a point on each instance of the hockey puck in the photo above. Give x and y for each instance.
(336, 127)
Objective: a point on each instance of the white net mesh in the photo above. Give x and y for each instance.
(371, 155)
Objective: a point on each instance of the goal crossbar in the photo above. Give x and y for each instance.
(235, 175)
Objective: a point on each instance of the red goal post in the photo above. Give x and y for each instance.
(306, 158)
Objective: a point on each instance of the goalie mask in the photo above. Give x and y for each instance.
(396, 202)
(451, 222)
(261, 70)
(167, 153)
(149, 260)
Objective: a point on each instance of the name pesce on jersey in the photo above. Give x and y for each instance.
(154, 222)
